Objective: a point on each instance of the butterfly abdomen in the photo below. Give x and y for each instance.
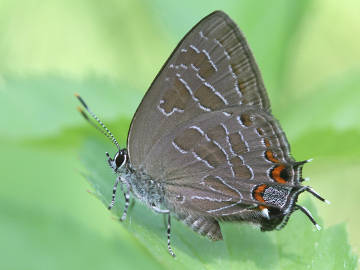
(205, 226)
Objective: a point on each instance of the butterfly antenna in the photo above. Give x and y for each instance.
(105, 130)
(83, 113)
(308, 214)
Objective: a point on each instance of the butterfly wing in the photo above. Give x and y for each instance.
(205, 131)
(227, 165)
(240, 143)
(211, 68)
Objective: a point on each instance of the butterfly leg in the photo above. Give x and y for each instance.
(118, 179)
(162, 211)
(127, 199)
(168, 236)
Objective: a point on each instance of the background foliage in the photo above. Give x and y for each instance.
(109, 52)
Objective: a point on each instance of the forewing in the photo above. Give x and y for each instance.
(212, 68)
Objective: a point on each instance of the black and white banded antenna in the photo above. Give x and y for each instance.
(104, 129)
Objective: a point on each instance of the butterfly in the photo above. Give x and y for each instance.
(203, 146)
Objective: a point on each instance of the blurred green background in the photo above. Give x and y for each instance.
(109, 52)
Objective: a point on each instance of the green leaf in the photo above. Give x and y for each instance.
(35, 238)
(298, 246)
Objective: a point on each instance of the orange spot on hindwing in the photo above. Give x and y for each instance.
(280, 174)
(271, 157)
(258, 194)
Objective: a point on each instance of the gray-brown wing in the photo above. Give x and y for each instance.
(213, 163)
(212, 68)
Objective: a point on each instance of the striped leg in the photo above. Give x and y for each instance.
(168, 236)
(165, 211)
(114, 193)
(127, 199)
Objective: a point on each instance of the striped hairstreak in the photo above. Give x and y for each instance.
(203, 146)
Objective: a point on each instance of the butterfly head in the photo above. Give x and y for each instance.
(118, 161)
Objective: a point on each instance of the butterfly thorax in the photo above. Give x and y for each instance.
(143, 186)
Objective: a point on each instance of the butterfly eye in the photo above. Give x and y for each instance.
(119, 159)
